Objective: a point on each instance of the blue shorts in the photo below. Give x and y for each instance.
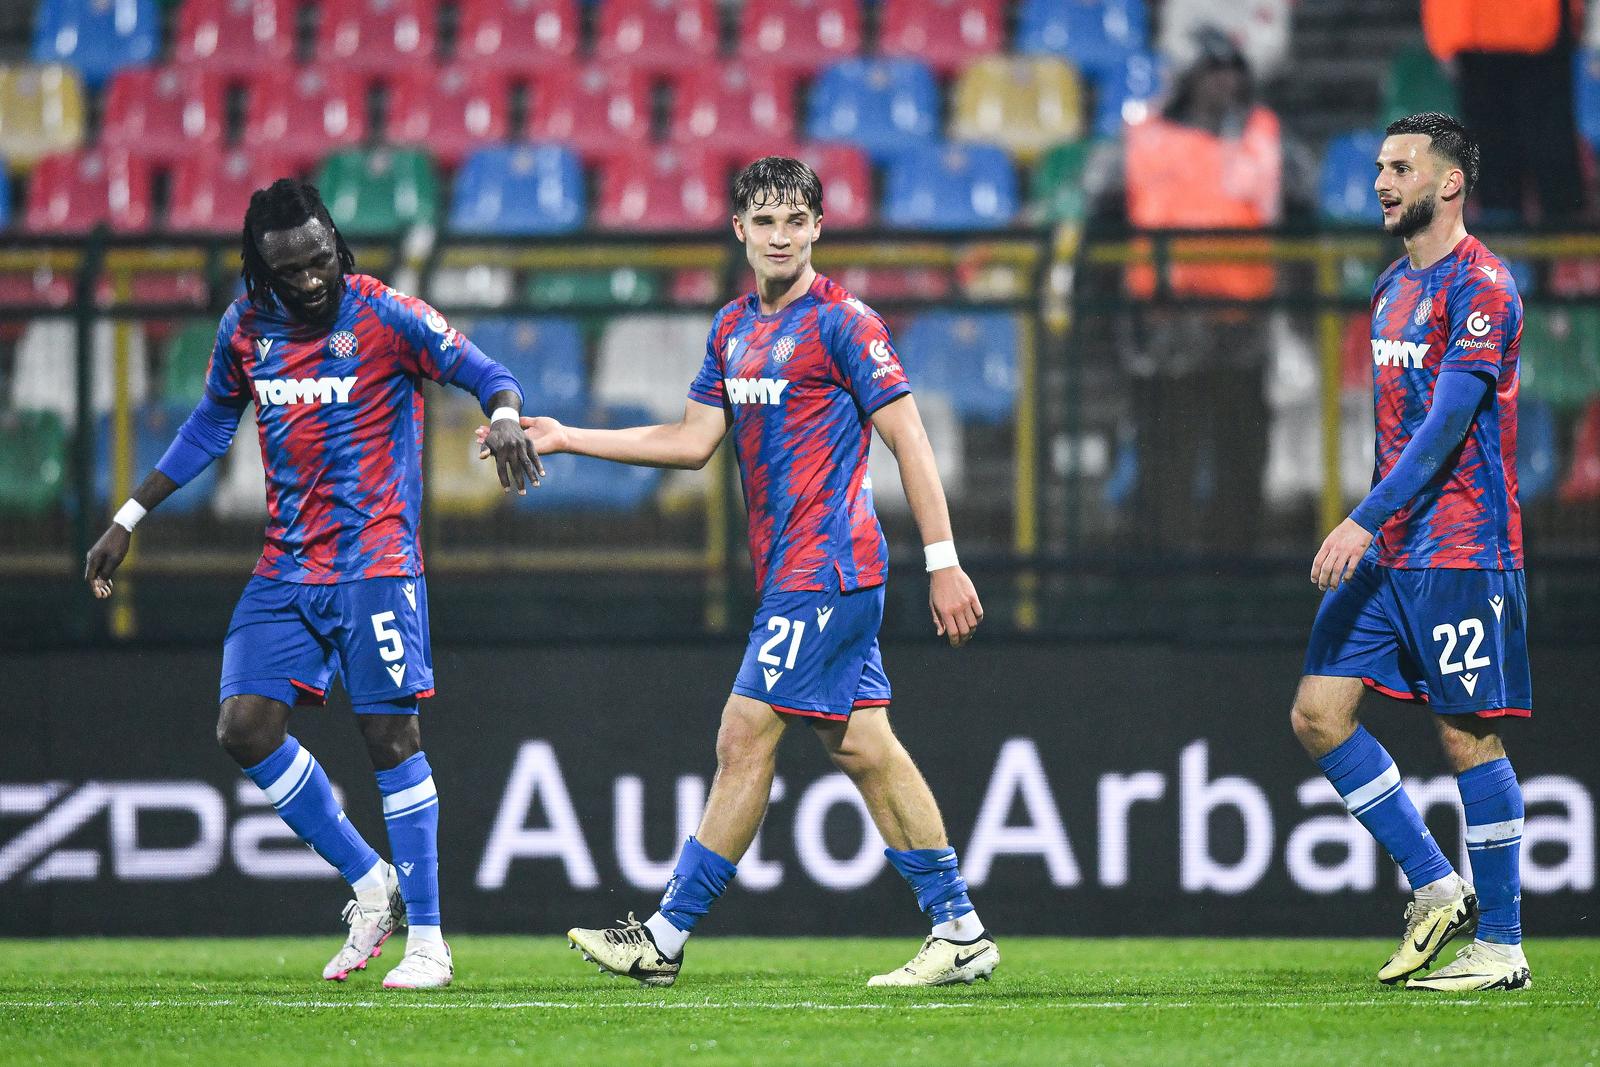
(286, 640)
(1456, 640)
(816, 653)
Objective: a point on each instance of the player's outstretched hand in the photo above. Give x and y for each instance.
(546, 435)
(516, 457)
(955, 606)
(1340, 553)
(104, 558)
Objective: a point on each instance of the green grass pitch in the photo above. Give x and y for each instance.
(772, 1002)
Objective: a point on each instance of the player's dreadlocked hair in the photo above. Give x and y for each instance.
(283, 205)
(777, 180)
(1449, 138)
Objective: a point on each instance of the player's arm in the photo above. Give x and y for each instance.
(1456, 397)
(203, 437)
(687, 444)
(951, 596)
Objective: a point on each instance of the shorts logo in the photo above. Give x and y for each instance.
(1498, 603)
(783, 351)
(397, 671)
(823, 615)
(342, 345)
(771, 675)
(1424, 309)
(1478, 324)
(1470, 681)
(303, 390)
(410, 591)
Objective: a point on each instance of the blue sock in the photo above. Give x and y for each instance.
(1493, 800)
(699, 879)
(935, 878)
(1369, 782)
(411, 812)
(297, 786)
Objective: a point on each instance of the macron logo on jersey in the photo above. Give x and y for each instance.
(304, 390)
(1386, 353)
(755, 390)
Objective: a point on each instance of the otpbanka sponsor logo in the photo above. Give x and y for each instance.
(1478, 324)
(271, 391)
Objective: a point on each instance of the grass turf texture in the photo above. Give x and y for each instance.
(770, 1002)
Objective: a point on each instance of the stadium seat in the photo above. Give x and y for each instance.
(376, 36)
(1538, 450)
(449, 111)
(518, 190)
(846, 175)
(154, 427)
(727, 108)
(1560, 352)
(969, 356)
(1587, 77)
(1582, 483)
(1058, 194)
(1096, 35)
(41, 111)
(98, 37)
(662, 190)
(598, 111)
(73, 192)
(5, 195)
(657, 36)
(564, 290)
(44, 378)
(1023, 105)
(945, 34)
(544, 354)
(183, 373)
(884, 106)
(950, 187)
(380, 192)
(1126, 94)
(1344, 191)
(1415, 82)
(518, 34)
(235, 37)
(648, 361)
(211, 190)
(33, 463)
(164, 113)
(302, 115)
(891, 283)
(799, 35)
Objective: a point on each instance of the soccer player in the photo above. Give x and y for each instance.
(1425, 598)
(802, 372)
(333, 361)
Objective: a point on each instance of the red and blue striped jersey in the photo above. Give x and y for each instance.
(801, 386)
(339, 413)
(1461, 313)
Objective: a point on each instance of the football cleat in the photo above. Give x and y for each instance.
(942, 962)
(1428, 931)
(369, 929)
(627, 949)
(424, 966)
(1479, 966)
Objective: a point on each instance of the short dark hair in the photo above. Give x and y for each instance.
(1449, 137)
(780, 180)
(283, 205)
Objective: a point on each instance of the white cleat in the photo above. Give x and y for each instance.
(626, 949)
(425, 966)
(369, 929)
(1479, 966)
(1428, 931)
(942, 962)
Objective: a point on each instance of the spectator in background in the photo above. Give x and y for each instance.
(1213, 158)
(1513, 65)
(1260, 29)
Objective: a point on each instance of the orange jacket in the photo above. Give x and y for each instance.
(1521, 26)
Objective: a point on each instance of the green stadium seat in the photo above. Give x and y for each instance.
(558, 290)
(380, 192)
(183, 378)
(1058, 194)
(1416, 82)
(33, 462)
(1560, 354)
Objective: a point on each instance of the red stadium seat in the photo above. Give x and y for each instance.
(725, 108)
(72, 192)
(663, 189)
(846, 175)
(450, 111)
(799, 35)
(596, 110)
(518, 33)
(658, 36)
(376, 35)
(303, 115)
(235, 37)
(163, 113)
(210, 190)
(945, 34)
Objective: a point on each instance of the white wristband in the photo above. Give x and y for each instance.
(129, 514)
(940, 555)
(506, 413)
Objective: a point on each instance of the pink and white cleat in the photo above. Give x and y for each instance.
(369, 929)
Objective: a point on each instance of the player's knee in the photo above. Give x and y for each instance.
(1317, 728)
(247, 738)
(740, 747)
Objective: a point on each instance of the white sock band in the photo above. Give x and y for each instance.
(129, 514)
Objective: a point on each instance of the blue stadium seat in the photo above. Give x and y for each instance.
(154, 427)
(97, 36)
(544, 353)
(518, 190)
(968, 356)
(885, 106)
(1124, 93)
(1344, 192)
(1097, 35)
(951, 187)
(580, 483)
(5, 195)
(1538, 449)
(1587, 77)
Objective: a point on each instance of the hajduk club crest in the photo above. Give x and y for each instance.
(783, 350)
(342, 345)
(1424, 309)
